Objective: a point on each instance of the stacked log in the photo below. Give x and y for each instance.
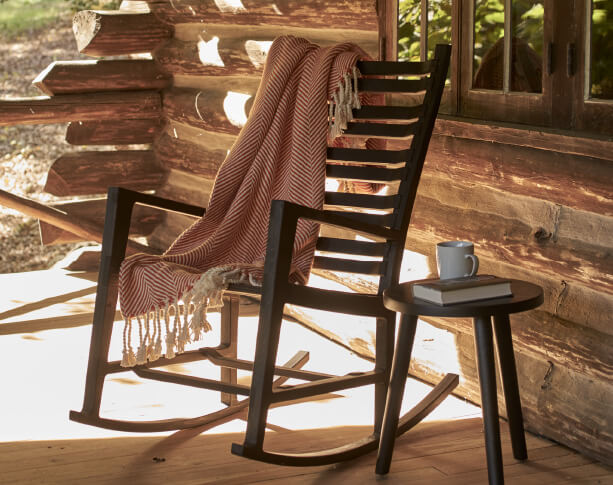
(111, 102)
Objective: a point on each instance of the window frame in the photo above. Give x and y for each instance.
(566, 26)
(505, 105)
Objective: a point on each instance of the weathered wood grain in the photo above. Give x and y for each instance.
(343, 14)
(174, 153)
(93, 172)
(518, 230)
(113, 33)
(185, 187)
(164, 235)
(214, 57)
(144, 221)
(80, 107)
(115, 132)
(222, 50)
(526, 136)
(217, 111)
(567, 179)
(71, 77)
(583, 305)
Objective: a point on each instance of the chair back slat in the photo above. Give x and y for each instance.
(387, 178)
(384, 220)
(393, 85)
(395, 68)
(380, 130)
(375, 112)
(350, 246)
(362, 201)
(347, 265)
(378, 174)
(370, 156)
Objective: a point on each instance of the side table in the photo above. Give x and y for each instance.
(526, 296)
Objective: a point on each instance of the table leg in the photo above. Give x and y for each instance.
(400, 368)
(506, 360)
(489, 401)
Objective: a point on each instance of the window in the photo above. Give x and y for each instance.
(536, 62)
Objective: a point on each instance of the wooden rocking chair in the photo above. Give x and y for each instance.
(387, 222)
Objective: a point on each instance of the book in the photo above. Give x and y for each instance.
(460, 290)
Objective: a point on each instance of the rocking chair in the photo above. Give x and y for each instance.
(384, 218)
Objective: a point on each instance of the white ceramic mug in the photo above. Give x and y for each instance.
(456, 259)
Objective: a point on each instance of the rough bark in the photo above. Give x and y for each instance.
(343, 14)
(114, 33)
(86, 173)
(116, 132)
(72, 77)
(80, 107)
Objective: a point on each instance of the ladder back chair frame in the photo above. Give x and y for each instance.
(389, 226)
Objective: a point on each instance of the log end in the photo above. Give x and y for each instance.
(85, 26)
(39, 81)
(134, 6)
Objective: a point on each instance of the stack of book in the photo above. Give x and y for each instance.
(460, 290)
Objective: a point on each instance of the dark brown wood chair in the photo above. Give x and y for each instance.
(384, 218)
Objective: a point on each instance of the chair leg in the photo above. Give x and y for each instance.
(228, 340)
(400, 368)
(506, 359)
(267, 343)
(116, 228)
(384, 352)
(489, 400)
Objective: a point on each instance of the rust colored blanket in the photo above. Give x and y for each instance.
(279, 154)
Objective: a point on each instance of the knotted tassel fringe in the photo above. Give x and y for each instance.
(206, 293)
(344, 101)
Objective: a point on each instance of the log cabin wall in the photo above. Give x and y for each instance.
(539, 207)
(537, 204)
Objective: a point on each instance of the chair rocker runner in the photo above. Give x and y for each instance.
(384, 219)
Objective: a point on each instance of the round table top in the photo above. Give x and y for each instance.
(526, 296)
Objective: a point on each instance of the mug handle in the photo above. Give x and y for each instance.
(475, 261)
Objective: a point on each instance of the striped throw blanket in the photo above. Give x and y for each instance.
(279, 154)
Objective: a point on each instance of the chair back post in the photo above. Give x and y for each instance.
(414, 167)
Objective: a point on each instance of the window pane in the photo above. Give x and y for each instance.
(439, 24)
(409, 27)
(527, 48)
(409, 30)
(601, 71)
(488, 48)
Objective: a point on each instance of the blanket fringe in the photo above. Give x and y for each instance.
(343, 102)
(188, 315)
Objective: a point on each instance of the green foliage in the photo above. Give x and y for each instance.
(20, 16)
(409, 28)
(77, 5)
(602, 46)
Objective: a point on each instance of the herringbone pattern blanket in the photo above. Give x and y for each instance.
(279, 154)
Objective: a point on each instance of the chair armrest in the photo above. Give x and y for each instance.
(120, 202)
(131, 197)
(297, 211)
(282, 226)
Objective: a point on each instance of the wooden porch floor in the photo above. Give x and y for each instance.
(44, 341)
